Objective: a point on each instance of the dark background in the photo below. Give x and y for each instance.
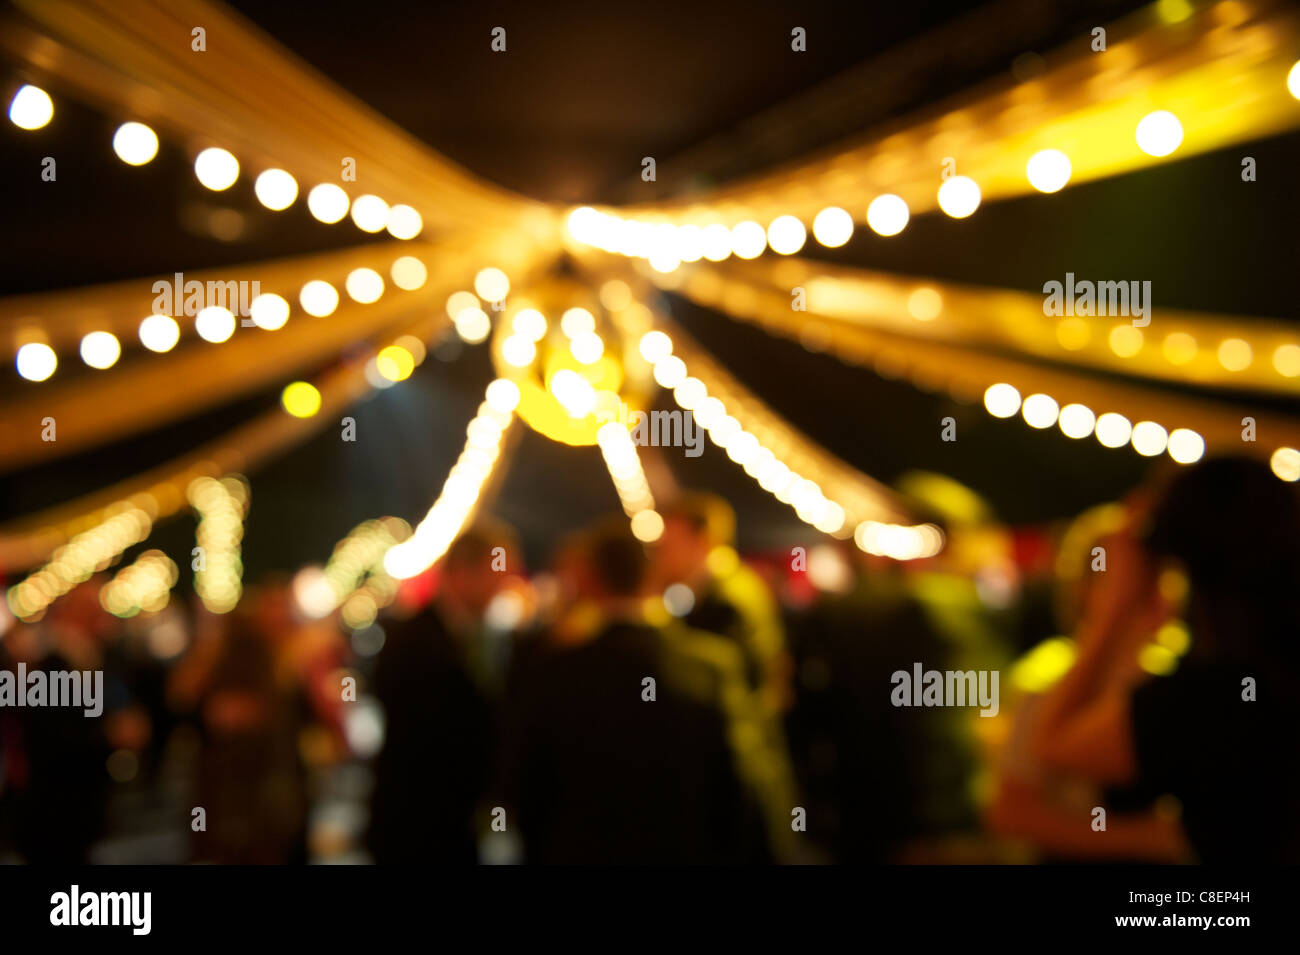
(583, 93)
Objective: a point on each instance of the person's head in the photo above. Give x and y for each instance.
(694, 524)
(473, 569)
(1234, 529)
(605, 564)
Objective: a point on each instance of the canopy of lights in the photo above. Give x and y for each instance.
(580, 352)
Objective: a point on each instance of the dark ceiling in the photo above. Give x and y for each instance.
(583, 92)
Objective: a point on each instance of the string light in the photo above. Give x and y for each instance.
(31, 108)
(216, 169)
(460, 492)
(135, 144)
(77, 560)
(100, 350)
(625, 471)
(160, 333)
(143, 586)
(36, 361)
(221, 506)
(276, 189)
(328, 203)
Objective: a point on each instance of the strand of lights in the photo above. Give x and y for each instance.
(221, 506)
(460, 492)
(1212, 350)
(466, 311)
(76, 561)
(1226, 75)
(143, 586)
(159, 333)
(354, 577)
(1112, 430)
(218, 169)
(624, 465)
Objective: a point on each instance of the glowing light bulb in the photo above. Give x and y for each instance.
(276, 189)
(370, 213)
(100, 349)
(786, 235)
(327, 203)
(1113, 430)
(833, 227)
(1186, 446)
(887, 215)
(269, 311)
(1048, 170)
(31, 108)
(573, 392)
(1040, 411)
(300, 399)
(364, 285)
(959, 196)
(215, 324)
(318, 298)
(216, 169)
(409, 273)
(1149, 439)
(748, 240)
(160, 333)
(135, 143)
(36, 361)
(655, 346)
(404, 222)
(1159, 133)
(1002, 400)
(492, 285)
(1077, 421)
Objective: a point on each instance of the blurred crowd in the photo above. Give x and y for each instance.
(677, 703)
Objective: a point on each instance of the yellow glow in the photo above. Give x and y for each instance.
(404, 222)
(215, 324)
(1159, 133)
(647, 526)
(1002, 400)
(577, 321)
(1285, 463)
(1040, 411)
(276, 189)
(492, 285)
(160, 333)
(1149, 439)
(370, 213)
(216, 169)
(529, 323)
(717, 242)
(1235, 354)
(925, 304)
(395, 363)
(1286, 359)
(1113, 430)
(31, 108)
(36, 361)
(473, 325)
(1077, 421)
(1174, 11)
(409, 273)
(833, 227)
(1073, 333)
(615, 295)
(503, 395)
(1048, 170)
(1125, 340)
(364, 285)
(1180, 348)
(1186, 446)
(318, 298)
(300, 399)
(135, 143)
(655, 346)
(748, 240)
(328, 203)
(457, 302)
(587, 347)
(1293, 80)
(959, 196)
(573, 392)
(1157, 659)
(100, 350)
(1174, 637)
(269, 311)
(690, 393)
(518, 351)
(670, 372)
(887, 215)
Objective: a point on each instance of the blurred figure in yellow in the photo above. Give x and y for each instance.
(705, 583)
